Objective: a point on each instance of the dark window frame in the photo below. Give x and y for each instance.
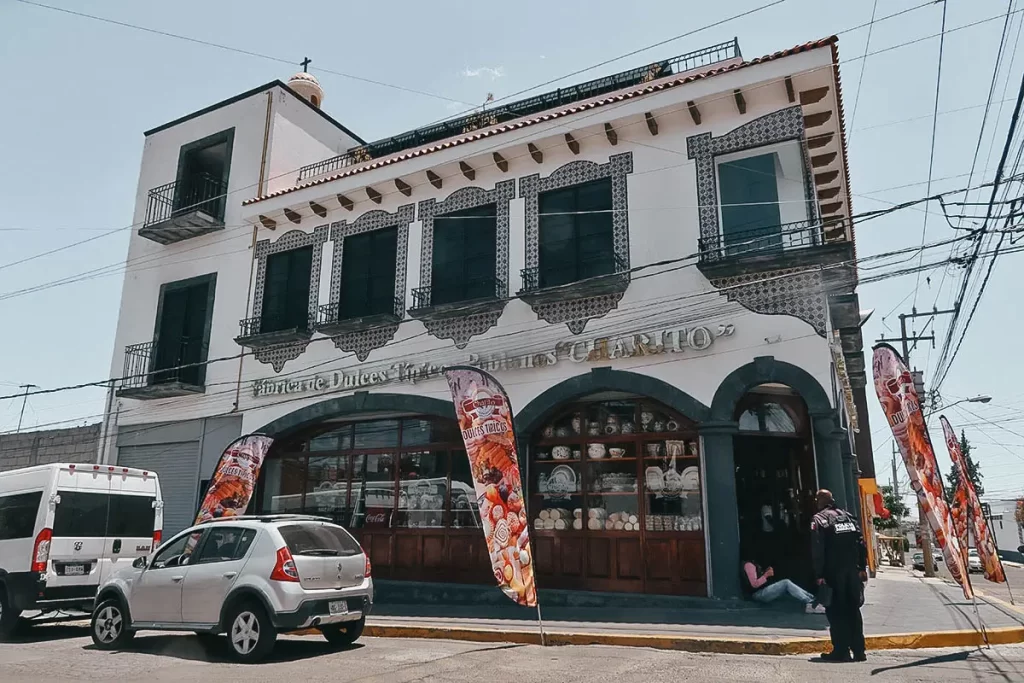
(226, 137)
(488, 286)
(210, 279)
(577, 220)
(372, 236)
(24, 497)
(306, 323)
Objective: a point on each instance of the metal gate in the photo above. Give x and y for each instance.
(177, 466)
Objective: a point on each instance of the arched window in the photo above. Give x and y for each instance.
(762, 413)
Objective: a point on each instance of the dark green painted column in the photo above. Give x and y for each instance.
(723, 529)
(850, 472)
(829, 456)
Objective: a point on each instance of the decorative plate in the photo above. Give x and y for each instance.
(691, 479)
(655, 479)
(562, 478)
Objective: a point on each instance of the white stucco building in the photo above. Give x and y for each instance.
(656, 262)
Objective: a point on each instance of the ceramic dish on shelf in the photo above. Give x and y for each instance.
(673, 482)
(691, 479)
(655, 479)
(617, 452)
(562, 478)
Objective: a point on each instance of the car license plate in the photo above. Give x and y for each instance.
(338, 607)
(74, 570)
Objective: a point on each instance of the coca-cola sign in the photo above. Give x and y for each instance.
(378, 517)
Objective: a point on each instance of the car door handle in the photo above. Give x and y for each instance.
(230, 575)
(177, 579)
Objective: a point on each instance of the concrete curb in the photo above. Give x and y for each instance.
(721, 645)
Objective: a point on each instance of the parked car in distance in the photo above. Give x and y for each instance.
(249, 577)
(974, 561)
(919, 562)
(64, 529)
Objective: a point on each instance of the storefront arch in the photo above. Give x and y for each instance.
(536, 411)
(359, 402)
(719, 443)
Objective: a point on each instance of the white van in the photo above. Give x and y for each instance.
(65, 528)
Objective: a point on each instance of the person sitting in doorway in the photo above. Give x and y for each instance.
(760, 585)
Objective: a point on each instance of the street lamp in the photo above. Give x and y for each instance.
(973, 399)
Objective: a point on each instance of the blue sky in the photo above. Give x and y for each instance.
(82, 92)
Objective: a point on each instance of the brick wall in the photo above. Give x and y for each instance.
(75, 444)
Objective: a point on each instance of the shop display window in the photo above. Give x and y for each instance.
(409, 473)
(616, 466)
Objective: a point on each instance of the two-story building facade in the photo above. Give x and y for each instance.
(658, 266)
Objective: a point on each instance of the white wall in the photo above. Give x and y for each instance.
(663, 226)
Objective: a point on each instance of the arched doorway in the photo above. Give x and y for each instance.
(775, 480)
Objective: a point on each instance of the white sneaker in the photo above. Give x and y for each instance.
(814, 609)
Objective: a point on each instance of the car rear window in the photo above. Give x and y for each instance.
(82, 515)
(319, 539)
(131, 516)
(18, 515)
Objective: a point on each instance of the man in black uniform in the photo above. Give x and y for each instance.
(840, 561)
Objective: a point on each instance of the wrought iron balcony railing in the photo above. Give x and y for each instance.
(469, 290)
(513, 110)
(151, 363)
(273, 325)
(762, 241)
(199, 192)
(539, 278)
(334, 314)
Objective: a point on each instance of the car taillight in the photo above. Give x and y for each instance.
(41, 550)
(157, 537)
(284, 569)
(366, 573)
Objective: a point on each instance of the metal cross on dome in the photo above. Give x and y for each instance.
(305, 64)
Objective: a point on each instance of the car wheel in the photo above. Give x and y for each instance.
(342, 635)
(110, 628)
(8, 616)
(251, 636)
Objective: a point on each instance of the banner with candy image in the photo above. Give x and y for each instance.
(485, 420)
(234, 478)
(973, 515)
(894, 386)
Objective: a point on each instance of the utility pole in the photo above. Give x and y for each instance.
(904, 339)
(24, 402)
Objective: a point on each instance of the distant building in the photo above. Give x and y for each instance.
(1009, 534)
(73, 444)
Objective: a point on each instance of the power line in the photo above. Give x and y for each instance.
(250, 53)
(863, 68)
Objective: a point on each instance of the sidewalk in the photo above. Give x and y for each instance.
(921, 612)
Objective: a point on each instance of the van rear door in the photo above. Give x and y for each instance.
(131, 519)
(79, 532)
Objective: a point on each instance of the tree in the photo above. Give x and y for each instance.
(972, 471)
(895, 506)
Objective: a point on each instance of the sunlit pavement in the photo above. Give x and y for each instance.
(65, 653)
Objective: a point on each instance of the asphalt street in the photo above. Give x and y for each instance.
(1014, 583)
(65, 653)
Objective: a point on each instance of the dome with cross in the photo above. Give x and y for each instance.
(306, 85)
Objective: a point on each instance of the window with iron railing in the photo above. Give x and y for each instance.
(465, 250)
(368, 268)
(576, 237)
(178, 352)
(286, 291)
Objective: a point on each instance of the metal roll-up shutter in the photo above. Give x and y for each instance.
(177, 466)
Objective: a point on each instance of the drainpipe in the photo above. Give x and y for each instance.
(252, 245)
(101, 456)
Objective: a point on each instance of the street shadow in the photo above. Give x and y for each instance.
(928, 661)
(44, 633)
(214, 649)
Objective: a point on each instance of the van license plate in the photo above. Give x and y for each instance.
(338, 607)
(74, 570)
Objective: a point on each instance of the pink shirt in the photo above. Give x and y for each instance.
(755, 580)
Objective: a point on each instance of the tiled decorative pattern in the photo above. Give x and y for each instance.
(277, 356)
(779, 126)
(457, 327)
(797, 292)
(576, 313)
(460, 328)
(362, 342)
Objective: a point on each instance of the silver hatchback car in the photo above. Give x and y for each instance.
(248, 577)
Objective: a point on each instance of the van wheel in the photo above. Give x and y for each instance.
(110, 628)
(251, 636)
(8, 616)
(343, 635)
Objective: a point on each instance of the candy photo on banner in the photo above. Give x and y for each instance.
(485, 420)
(894, 386)
(973, 515)
(234, 478)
